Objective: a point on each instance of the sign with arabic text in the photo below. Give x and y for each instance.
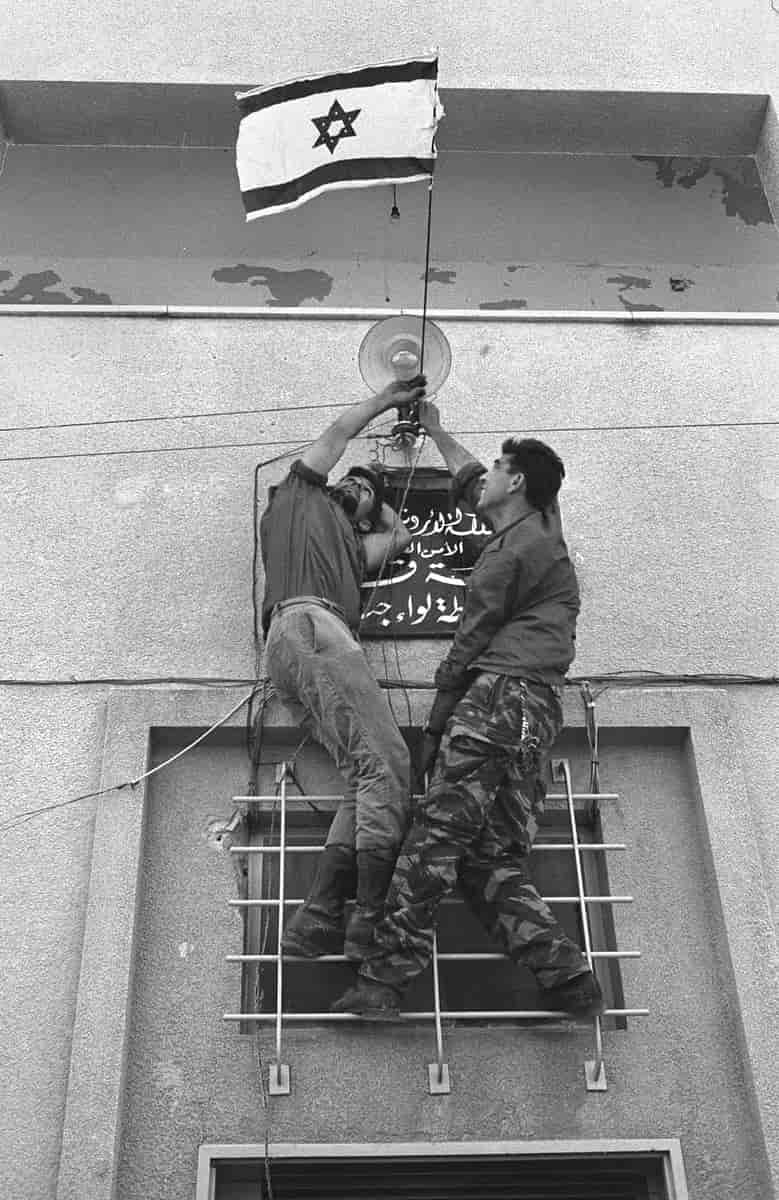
(421, 593)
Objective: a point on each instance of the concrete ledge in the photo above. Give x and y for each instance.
(483, 316)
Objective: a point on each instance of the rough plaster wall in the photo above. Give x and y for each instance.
(696, 45)
(755, 713)
(52, 747)
(140, 563)
(675, 1073)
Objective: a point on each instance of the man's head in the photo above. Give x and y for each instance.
(528, 471)
(361, 494)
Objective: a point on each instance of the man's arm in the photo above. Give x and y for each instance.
(454, 455)
(322, 455)
(388, 540)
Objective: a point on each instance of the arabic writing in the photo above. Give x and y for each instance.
(422, 592)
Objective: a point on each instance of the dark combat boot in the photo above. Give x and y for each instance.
(371, 1001)
(374, 872)
(318, 925)
(580, 996)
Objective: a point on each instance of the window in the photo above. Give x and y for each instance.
(489, 1171)
(466, 984)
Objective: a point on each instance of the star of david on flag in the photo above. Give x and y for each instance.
(353, 128)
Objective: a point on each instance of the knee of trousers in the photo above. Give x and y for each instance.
(381, 822)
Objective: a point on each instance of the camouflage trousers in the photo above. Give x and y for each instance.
(475, 828)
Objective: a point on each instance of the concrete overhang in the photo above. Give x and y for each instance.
(43, 112)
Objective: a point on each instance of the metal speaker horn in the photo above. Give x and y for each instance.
(391, 350)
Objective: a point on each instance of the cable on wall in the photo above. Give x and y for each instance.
(27, 814)
(686, 425)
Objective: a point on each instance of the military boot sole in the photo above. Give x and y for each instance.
(368, 1005)
(315, 944)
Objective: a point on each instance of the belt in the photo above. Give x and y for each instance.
(318, 600)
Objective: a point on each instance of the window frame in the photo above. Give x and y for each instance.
(669, 1151)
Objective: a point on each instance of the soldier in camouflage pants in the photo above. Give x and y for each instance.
(476, 827)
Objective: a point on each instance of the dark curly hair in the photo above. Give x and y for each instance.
(542, 467)
(376, 480)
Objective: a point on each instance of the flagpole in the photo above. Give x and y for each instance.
(427, 271)
(427, 237)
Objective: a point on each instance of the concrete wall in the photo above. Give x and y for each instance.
(130, 558)
(725, 45)
(129, 544)
(638, 231)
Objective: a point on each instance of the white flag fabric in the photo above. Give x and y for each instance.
(353, 128)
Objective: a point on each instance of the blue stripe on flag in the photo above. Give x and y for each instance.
(257, 199)
(363, 77)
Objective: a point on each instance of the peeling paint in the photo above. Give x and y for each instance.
(741, 188)
(744, 197)
(670, 170)
(90, 296)
(640, 307)
(33, 289)
(185, 949)
(633, 281)
(439, 275)
(630, 281)
(288, 288)
(497, 304)
(680, 284)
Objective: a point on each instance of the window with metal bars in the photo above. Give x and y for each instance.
(287, 832)
(473, 973)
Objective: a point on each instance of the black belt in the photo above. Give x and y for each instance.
(319, 600)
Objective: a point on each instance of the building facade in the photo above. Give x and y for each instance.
(605, 266)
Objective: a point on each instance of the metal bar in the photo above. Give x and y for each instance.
(536, 846)
(336, 799)
(477, 956)
(438, 1071)
(594, 1072)
(279, 1072)
(499, 1015)
(548, 899)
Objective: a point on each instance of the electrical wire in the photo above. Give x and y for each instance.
(232, 412)
(658, 678)
(683, 425)
(627, 676)
(26, 815)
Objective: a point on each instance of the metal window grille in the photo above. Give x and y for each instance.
(280, 806)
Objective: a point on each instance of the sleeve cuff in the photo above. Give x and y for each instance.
(300, 469)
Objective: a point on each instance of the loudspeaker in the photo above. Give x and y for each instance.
(391, 350)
